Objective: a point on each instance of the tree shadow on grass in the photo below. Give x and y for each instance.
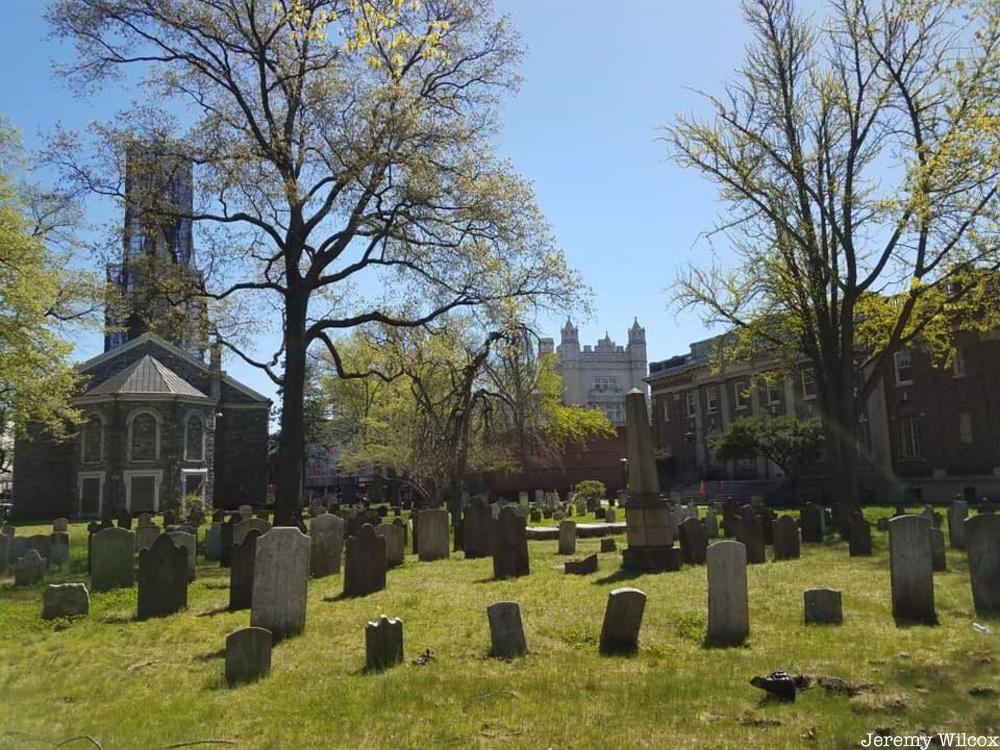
(217, 610)
(619, 575)
(908, 622)
(119, 619)
(219, 653)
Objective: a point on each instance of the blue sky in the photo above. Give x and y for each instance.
(598, 83)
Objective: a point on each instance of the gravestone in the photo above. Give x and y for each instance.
(189, 542)
(145, 519)
(751, 534)
(364, 563)
(125, 520)
(958, 511)
(982, 548)
(112, 559)
(433, 525)
(622, 620)
(506, 630)
(41, 544)
(939, 560)
(711, 524)
(241, 567)
(65, 600)
(18, 548)
(60, 525)
(786, 539)
(730, 518)
(610, 515)
(241, 529)
(383, 643)
(510, 545)
(583, 567)
(813, 524)
(163, 579)
(823, 607)
(395, 543)
(728, 605)
(4, 553)
(246, 512)
(169, 518)
(29, 568)
(218, 516)
(280, 582)
(476, 531)
(213, 541)
(567, 538)
(327, 534)
(694, 541)
(248, 654)
(145, 535)
(882, 524)
(859, 536)
(608, 544)
(911, 571)
(58, 547)
(226, 540)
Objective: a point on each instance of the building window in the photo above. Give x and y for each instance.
(959, 363)
(965, 428)
(194, 438)
(92, 440)
(615, 413)
(90, 493)
(774, 392)
(904, 367)
(143, 437)
(691, 403)
(910, 443)
(741, 395)
(808, 383)
(194, 482)
(142, 491)
(711, 400)
(606, 384)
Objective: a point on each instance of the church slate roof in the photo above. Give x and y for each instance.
(146, 376)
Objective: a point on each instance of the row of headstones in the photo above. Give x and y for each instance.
(29, 557)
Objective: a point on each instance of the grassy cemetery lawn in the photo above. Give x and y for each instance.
(159, 683)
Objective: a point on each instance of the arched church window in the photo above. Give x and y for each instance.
(144, 437)
(194, 438)
(93, 439)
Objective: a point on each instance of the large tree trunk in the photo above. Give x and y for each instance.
(840, 423)
(291, 445)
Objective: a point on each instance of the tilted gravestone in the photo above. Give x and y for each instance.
(65, 600)
(241, 529)
(583, 567)
(694, 541)
(510, 545)
(982, 548)
(280, 582)
(939, 560)
(622, 620)
(567, 538)
(383, 643)
(823, 607)
(813, 524)
(241, 566)
(786, 539)
(911, 570)
(506, 630)
(958, 511)
(112, 559)
(364, 563)
(327, 534)
(433, 534)
(859, 536)
(188, 542)
(395, 544)
(213, 541)
(728, 605)
(476, 531)
(29, 568)
(163, 579)
(248, 654)
(58, 547)
(751, 534)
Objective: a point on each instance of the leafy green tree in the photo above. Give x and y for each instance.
(344, 161)
(790, 443)
(858, 160)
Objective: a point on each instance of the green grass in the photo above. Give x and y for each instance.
(158, 683)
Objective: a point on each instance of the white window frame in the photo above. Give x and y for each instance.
(157, 475)
(711, 400)
(159, 429)
(908, 355)
(691, 404)
(911, 441)
(966, 436)
(101, 476)
(185, 473)
(958, 363)
(204, 430)
(83, 440)
(741, 395)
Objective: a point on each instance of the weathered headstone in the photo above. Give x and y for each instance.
(859, 539)
(583, 567)
(910, 569)
(145, 535)
(241, 529)
(60, 525)
(506, 630)
(327, 534)
(608, 544)
(190, 545)
(510, 545)
(18, 548)
(383, 643)
(958, 511)
(112, 559)
(169, 518)
(65, 600)
(567, 538)
(622, 620)
(730, 518)
(395, 543)
(248, 654)
(364, 563)
(433, 525)
(711, 524)
(728, 605)
(124, 520)
(751, 534)
(41, 543)
(245, 511)
(694, 541)
(813, 524)
(786, 539)
(58, 547)
(213, 541)
(29, 568)
(163, 579)
(982, 548)
(611, 515)
(476, 532)
(823, 607)
(145, 519)
(939, 560)
(882, 524)
(241, 567)
(280, 582)
(226, 540)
